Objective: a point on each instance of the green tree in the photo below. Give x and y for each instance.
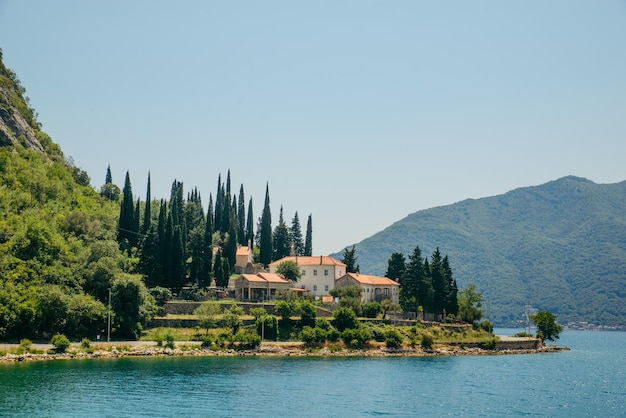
(109, 190)
(250, 227)
(387, 305)
(282, 247)
(126, 232)
(289, 270)
(308, 314)
(547, 327)
(132, 305)
(147, 211)
(207, 314)
(295, 235)
(396, 265)
(345, 318)
(308, 241)
(470, 303)
(265, 243)
(241, 217)
(349, 258)
(232, 318)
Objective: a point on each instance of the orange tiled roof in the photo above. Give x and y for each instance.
(265, 278)
(373, 280)
(273, 278)
(319, 260)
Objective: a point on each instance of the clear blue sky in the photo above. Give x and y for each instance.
(359, 112)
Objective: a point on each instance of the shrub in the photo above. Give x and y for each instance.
(323, 323)
(26, 344)
(371, 309)
(427, 341)
(355, 337)
(161, 295)
(314, 336)
(486, 326)
(85, 343)
(60, 343)
(490, 345)
(206, 340)
(333, 335)
(393, 338)
(345, 318)
(246, 340)
(169, 340)
(308, 314)
(523, 334)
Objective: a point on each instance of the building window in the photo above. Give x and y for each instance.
(386, 291)
(315, 288)
(326, 272)
(315, 272)
(368, 290)
(303, 286)
(303, 272)
(326, 288)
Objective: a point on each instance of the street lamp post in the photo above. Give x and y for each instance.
(109, 319)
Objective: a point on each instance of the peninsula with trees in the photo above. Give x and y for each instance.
(99, 266)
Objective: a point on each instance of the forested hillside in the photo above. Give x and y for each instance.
(560, 246)
(58, 252)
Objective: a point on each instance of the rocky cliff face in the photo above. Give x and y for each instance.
(17, 122)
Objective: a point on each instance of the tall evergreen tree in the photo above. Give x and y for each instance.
(350, 259)
(205, 273)
(135, 235)
(219, 203)
(230, 245)
(265, 242)
(250, 226)
(451, 300)
(109, 190)
(218, 269)
(150, 258)
(282, 245)
(295, 235)
(425, 290)
(308, 242)
(126, 223)
(241, 217)
(440, 291)
(147, 210)
(396, 266)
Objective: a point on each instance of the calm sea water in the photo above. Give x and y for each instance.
(590, 380)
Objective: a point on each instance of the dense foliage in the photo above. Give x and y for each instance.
(560, 246)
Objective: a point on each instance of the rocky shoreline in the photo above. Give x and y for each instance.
(271, 349)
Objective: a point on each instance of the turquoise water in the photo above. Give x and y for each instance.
(590, 380)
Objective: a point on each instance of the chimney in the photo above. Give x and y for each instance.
(321, 257)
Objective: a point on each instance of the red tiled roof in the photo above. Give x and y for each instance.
(319, 260)
(372, 280)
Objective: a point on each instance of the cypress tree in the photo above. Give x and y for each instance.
(308, 241)
(146, 212)
(295, 235)
(126, 222)
(282, 245)
(150, 258)
(134, 235)
(205, 274)
(219, 203)
(109, 190)
(218, 269)
(109, 178)
(265, 242)
(250, 227)
(241, 217)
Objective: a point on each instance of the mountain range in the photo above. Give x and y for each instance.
(560, 246)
